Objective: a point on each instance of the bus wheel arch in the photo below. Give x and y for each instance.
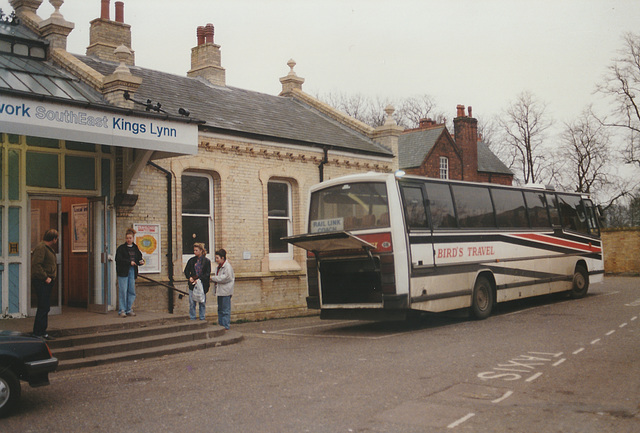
(483, 297)
(580, 281)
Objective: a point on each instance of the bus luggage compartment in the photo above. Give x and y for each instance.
(351, 281)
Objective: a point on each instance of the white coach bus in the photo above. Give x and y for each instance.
(384, 246)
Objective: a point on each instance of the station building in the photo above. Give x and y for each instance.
(93, 144)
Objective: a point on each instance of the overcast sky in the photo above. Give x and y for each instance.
(481, 53)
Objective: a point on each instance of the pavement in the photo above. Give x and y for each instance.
(78, 318)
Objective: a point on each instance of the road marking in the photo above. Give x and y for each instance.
(578, 351)
(635, 303)
(557, 363)
(461, 420)
(504, 397)
(610, 332)
(623, 325)
(595, 341)
(555, 355)
(534, 377)
(634, 318)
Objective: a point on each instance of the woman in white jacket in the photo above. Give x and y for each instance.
(224, 278)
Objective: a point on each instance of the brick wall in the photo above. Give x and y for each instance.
(621, 250)
(241, 170)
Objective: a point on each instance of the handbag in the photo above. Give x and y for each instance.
(198, 292)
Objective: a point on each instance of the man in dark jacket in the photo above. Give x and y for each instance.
(128, 258)
(198, 268)
(44, 269)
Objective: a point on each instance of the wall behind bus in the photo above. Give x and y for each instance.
(621, 250)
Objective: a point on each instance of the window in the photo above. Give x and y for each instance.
(510, 209)
(413, 202)
(444, 167)
(279, 215)
(442, 213)
(537, 206)
(197, 212)
(474, 207)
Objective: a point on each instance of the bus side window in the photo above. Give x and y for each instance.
(413, 203)
(552, 203)
(441, 206)
(474, 206)
(537, 207)
(510, 208)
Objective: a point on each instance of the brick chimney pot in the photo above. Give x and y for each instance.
(200, 34)
(460, 110)
(120, 12)
(208, 33)
(104, 10)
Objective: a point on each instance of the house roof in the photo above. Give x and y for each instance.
(488, 162)
(414, 146)
(243, 111)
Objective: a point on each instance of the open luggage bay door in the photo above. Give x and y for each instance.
(328, 242)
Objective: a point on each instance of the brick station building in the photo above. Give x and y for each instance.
(243, 188)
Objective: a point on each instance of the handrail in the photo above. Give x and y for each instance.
(182, 292)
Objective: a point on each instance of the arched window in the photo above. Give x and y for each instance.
(197, 212)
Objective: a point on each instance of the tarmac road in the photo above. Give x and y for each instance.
(548, 364)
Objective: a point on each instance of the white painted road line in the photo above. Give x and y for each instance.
(534, 377)
(634, 318)
(504, 397)
(578, 351)
(461, 420)
(557, 363)
(595, 341)
(623, 325)
(610, 332)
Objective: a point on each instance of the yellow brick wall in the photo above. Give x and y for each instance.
(621, 250)
(240, 170)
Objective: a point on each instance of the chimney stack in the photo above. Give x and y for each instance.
(206, 59)
(106, 35)
(466, 137)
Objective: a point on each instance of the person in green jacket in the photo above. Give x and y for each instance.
(44, 269)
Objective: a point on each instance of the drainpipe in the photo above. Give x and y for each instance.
(169, 232)
(325, 160)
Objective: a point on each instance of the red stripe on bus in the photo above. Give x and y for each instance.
(562, 242)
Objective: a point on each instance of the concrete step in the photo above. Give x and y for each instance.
(226, 338)
(121, 324)
(130, 332)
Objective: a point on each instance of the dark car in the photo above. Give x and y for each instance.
(22, 357)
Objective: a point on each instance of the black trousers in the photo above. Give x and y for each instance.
(43, 292)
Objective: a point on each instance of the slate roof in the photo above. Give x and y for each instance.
(243, 111)
(414, 146)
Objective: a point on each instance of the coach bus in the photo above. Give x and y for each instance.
(388, 246)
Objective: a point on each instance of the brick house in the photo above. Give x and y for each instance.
(430, 150)
(242, 187)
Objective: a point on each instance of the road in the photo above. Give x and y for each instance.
(548, 364)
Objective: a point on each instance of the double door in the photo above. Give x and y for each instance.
(81, 251)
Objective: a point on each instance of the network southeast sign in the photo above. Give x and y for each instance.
(65, 122)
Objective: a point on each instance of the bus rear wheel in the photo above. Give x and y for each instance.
(482, 301)
(580, 283)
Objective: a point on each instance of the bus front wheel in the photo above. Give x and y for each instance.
(482, 302)
(580, 283)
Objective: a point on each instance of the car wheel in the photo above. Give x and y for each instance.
(482, 301)
(9, 390)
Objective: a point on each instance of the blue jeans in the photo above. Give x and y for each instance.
(192, 306)
(224, 311)
(127, 291)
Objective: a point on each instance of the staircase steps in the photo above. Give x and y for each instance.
(137, 341)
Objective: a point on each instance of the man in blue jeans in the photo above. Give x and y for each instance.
(224, 279)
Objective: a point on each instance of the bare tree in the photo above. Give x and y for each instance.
(622, 84)
(523, 126)
(412, 109)
(586, 149)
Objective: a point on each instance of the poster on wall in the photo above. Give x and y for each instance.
(79, 227)
(148, 240)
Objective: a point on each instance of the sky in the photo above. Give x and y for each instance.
(481, 53)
